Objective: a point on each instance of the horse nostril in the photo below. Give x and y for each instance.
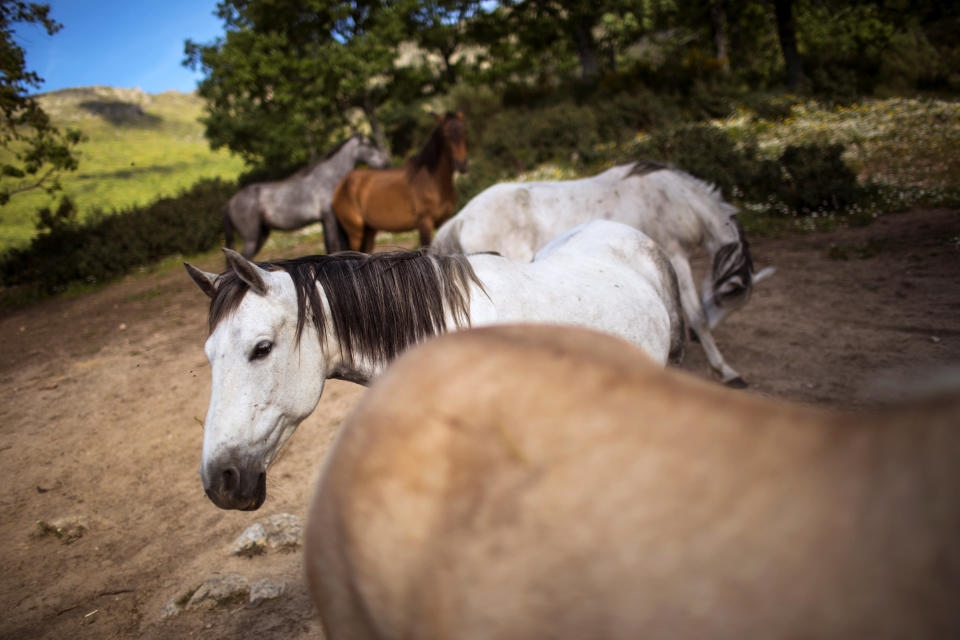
(231, 480)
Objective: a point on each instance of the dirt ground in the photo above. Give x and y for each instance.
(102, 396)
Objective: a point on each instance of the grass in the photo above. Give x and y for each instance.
(139, 147)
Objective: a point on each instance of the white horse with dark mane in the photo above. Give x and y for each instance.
(298, 200)
(279, 330)
(680, 212)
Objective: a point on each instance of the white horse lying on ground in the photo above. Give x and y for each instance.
(681, 214)
(553, 483)
(279, 330)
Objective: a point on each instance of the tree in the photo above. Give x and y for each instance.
(787, 32)
(533, 33)
(439, 26)
(35, 150)
(283, 81)
(718, 21)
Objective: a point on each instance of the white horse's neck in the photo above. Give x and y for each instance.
(353, 366)
(358, 368)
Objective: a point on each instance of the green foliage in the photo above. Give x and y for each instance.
(108, 246)
(803, 180)
(816, 177)
(138, 147)
(520, 139)
(713, 155)
(35, 151)
(281, 82)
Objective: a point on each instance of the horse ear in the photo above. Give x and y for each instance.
(247, 271)
(206, 281)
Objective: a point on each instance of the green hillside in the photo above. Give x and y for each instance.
(139, 147)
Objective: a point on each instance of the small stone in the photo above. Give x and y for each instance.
(251, 542)
(220, 591)
(284, 531)
(934, 339)
(170, 609)
(265, 590)
(68, 529)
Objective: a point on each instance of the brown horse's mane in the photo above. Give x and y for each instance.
(431, 153)
(379, 304)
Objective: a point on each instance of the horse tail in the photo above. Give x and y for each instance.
(678, 321)
(334, 235)
(227, 227)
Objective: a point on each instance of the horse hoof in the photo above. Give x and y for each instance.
(736, 383)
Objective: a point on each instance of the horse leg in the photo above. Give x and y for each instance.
(261, 239)
(369, 238)
(352, 226)
(334, 237)
(690, 302)
(227, 228)
(425, 227)
(250, 247)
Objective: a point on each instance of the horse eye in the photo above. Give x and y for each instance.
(261, 350)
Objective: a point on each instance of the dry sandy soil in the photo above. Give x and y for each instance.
(102, 396)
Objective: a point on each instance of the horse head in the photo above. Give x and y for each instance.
(455, 133)
(730, 283)
(369, 153)
(265, 380)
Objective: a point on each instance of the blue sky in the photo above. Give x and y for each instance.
(119, 43)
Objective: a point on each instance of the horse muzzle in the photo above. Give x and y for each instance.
(461, 165)
(231, 486)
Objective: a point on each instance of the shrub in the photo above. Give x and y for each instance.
(804, 179)
(712, 155)
(520, 139)
(109, 245)
(814, 177)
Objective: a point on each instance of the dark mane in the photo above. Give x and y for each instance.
(379, 304)
(429, 157)
(643, 167)
(733, 259)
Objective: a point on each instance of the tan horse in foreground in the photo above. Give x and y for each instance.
(419, 195)
(539, 482)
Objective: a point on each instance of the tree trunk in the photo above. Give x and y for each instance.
(449, 70)
(787, 32)
(718, 19)
(375, 128)
(587, 48)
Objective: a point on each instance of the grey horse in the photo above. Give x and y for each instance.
(298, 200)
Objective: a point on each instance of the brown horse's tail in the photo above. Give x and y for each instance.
(227, 228)
(334, 235)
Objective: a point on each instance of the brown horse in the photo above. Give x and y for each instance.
(419, 195)
(539, 482)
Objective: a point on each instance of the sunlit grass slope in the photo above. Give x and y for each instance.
(139, 147)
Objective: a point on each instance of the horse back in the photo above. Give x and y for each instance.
(380, 198)
(554, 483)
